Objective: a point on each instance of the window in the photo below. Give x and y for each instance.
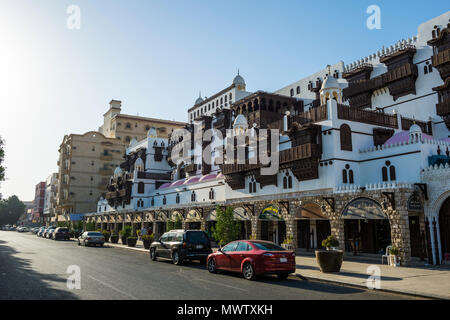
(141, 187)
(164, 200)
(425, 69)
(298, 89)
(346, 137)
(292, 92)
(177, 198)
(350, 177)
(230, 247)
(344, 176)
(347, 175)
(193, 196)
(252, 186)
(152, 202)
(242, 246)
(128, 125)
(211, 194)
(127, 139)
(388, 168)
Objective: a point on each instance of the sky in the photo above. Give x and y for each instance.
(156, 55)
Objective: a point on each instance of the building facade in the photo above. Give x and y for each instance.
(362, 153)
(37, 212)
(51, 186)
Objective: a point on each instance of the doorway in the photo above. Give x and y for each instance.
(414, 234)
(444, 226)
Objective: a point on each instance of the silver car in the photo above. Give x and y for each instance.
(91, 237)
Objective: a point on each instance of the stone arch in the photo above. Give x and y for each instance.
(311, 209)
(176, 213)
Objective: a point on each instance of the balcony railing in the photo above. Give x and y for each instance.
(312, 115)
(367, 116)
(441, 58)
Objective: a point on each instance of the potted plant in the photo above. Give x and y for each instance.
(106, 234)
(131, 241)
(125, 233)
(330, 260)
(288, 243)
(114, 238)
(393, 253)
(147, 239)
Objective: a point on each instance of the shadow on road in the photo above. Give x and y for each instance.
(348, 274)
(19, 280)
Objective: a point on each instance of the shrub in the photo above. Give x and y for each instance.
(148, 237)
(329, 242)
(106, 234)
(288, 240)
(126, 232)
(226, 228)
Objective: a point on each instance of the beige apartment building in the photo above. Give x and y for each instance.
(126, 127)
(87, 161)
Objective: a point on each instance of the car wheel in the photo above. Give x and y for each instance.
(248, 271)
(212, 266)
(176, 258)
(282, 276)
(153, 254)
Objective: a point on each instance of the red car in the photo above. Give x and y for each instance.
(253, 258)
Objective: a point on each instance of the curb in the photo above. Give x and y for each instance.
(346, 284)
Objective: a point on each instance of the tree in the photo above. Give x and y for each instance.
(177, 224)
(226, 228)
(10, 210)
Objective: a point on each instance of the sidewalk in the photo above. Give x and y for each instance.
(417, 280)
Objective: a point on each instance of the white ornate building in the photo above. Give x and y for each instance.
(363, 155)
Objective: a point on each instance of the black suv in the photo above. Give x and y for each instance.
(61, 233)
(180, 245)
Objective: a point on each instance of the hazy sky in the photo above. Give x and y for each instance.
(156, 56)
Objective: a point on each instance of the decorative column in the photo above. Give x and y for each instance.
(428, 241)
(291, 229)
(337, 230)
(436, 243)
(256, 228)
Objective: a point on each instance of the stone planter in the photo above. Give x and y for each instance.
(131, 242)
(107, 237)
(114, 239)
(124, 239)
(329, 260)
(147, 243)
(288, 246)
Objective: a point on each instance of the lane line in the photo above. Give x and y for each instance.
(114, 288)
(220, 284)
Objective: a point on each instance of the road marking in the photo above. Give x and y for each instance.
(114, 288)
(220, 284)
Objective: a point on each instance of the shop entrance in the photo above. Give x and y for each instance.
(415, 237)
(312, 226)
(366, 227)
(196, 225)
(444, 226)
(273, 227)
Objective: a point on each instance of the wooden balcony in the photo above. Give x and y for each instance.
(312, 115)
(153, 175)
(443, 108)
(441, 61)
(367, 116)
(300, 152)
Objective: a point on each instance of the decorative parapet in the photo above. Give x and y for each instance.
(411, 141)
(372, 186)
(435, 171)
(382, 52)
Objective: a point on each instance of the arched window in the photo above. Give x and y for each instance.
(292, 92)
(350, 177)
(284, 182)
(289, 182)
(250, 187)
(392, 173)
(425, 69)
(153, 202)
(211, 194)
(177, 198)
(164, 200)
(344, 176)
(384, 174)
(193, 196)
(346, 137)
(298, 89)
(141, 187)
(254, 186)
(430, 68)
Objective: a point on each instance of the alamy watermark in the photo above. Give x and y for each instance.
(73, 21)
(374, 280)
(74, 278)
(374, 20)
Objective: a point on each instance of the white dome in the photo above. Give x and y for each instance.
(415, 129)
(238, 80)
(330, 83)
(117, 171)
(199, 99)
(152, 133)
(240, 122)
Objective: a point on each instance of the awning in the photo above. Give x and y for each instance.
(310, 211)
(363, 208)
(271, 212)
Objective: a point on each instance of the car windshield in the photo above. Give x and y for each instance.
(96, 234)
(268, 246)
(196, 237)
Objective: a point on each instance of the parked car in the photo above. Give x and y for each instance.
(91, 237)
(50, 232)
(22, 229)
(180, 245)
(253, 258)
(40, 232)
(61, 233)
(47, 230)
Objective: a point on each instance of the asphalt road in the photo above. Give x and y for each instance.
(36, 268)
